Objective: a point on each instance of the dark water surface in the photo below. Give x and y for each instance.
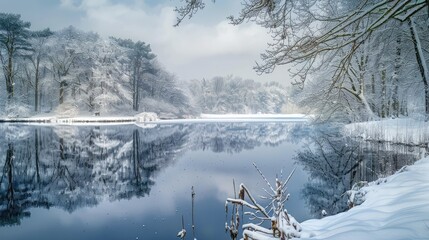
(134, 182)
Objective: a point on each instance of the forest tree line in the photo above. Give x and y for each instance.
(71, 72)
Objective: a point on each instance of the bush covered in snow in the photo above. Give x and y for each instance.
(67, 110)
(17, 110)
(272, 221)
(146, 117)
(357, 194)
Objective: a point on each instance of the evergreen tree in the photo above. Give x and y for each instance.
(140, 62)
(14, 35)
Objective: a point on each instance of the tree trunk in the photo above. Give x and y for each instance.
(367, 106)
(423, 68)
(9, 164)
(62, 87)
(373, 104)
(395, 78)
(36, 87)
(137, 96)
(136, 77)
(37, 153)
(383, 93)
(62, 150)
(136, 156)
(9, 75)
(135, 93)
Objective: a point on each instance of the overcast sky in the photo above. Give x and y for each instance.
(204, 46)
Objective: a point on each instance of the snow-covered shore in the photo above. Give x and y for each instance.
(395, 208)
(153, 118)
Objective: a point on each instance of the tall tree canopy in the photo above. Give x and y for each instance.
(140, 62)
(14, 34)
(341, 43)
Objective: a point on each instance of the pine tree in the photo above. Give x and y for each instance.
(14, 35)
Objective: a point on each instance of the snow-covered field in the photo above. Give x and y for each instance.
(395, 208)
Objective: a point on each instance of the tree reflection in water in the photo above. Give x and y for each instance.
(335, 163)
(70, 167)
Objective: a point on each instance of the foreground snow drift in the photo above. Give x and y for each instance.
(396, 208)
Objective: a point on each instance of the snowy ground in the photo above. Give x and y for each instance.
(395, 208)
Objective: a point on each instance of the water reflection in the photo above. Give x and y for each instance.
(335, 163)
(101, 175)
(71, 167)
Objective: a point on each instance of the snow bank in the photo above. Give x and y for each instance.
(396, 208)
(146, 117)
(62, 120)
(400, 130)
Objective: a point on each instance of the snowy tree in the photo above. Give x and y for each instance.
(75, 72)
(65, 51)
(14, 35)
(335, 41)
(104, 88)
(165, 88)
(37, 59)
(235, 95)
(421, 60)
(140, 63)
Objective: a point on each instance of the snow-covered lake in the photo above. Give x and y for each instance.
(134, 182)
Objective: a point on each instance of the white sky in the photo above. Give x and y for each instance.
(204, 46)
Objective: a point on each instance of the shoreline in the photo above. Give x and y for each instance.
(203, 118)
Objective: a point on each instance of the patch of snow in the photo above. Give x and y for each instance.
(396, 208)
(146, 117)
(66, 110)
(357, 194)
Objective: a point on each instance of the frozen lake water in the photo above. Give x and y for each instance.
(134, 182)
